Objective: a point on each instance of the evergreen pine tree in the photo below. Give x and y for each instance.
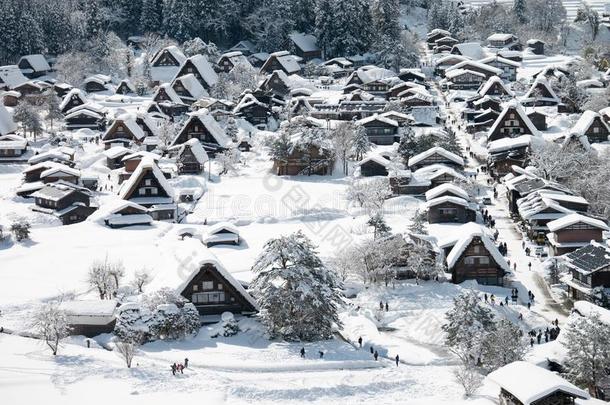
(503, 345)
(380, 228)
(361, 142)
(231, 130)
(385, 14)
(520, 11)
(406, 145)
(297, 295)
(468, 324)
(151, 16)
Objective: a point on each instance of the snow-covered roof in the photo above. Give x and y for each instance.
(7, 125)
(470, 49)
(129, 84)
(12, 141)
(436, 31)
(447, 199)
(442, 60)
(464, 242)
(73, 93)
(290, 63)
(446, 188)
(453, 73)
(210, 124)
(504, 144)
(60, 171)
(198, 256)
(98, 78)
(222, 226)
(585, 121)
(146, 164)
(377, 159)
(196, 148)
(499, 59)
(305, 42)
(541, 81)
(37, 62)
(102, 308)
(529, 383)
(192, 85)
(571, 219)
(499, 37)
(474, 64)
(436, 150)
(129, 120)
(490, 82)
(171, 93)
(174, 51)
(377, 117)
(516, 106)
(205, 69)
(12, 76)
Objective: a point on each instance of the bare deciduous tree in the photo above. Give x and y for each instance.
(51, 323)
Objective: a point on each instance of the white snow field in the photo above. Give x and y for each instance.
(571, 6)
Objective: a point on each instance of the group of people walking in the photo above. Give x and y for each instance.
(179, 367)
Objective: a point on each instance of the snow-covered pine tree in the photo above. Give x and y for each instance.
(587, 340)
(502, 346)
(151, 15)
(380, 227)
(190, 319)
(520, 11)
(385, 14)
(450, 143)
(324, 26)
(133, 325)
(231, 129)
(297, 295)
(468, 324)
(418, 223)
(361, 143)
(52, 104)
(406, 144)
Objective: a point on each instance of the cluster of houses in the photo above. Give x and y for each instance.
(481, 78)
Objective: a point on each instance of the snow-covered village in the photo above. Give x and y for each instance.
(305, 202)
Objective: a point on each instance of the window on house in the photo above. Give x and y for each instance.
(207, 285)
(596, 130)
(195, 287)
(511, 116)
(148, 182)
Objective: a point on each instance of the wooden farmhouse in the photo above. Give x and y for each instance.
(522, 383)
(592, 126)
(96, 83)
(538, 119)
(380, 130)
(305, 46)
(168, 56)
(505, 41)
(74, 98)
(190, 157)
(206, 283)
(281, 60)
(67, 201)
(90, 318)
(229, 60)
(573, 231)
(305, 159)
(494, 86)
(375, 165)
(507, 66)
(442, 64)
(436, 155)
(203, 126)
(447, 209)
(124, 131)
(33, 66)
(253, 110)
(199, 67)
(511, 123)
(541, 94)
(125, 87)
(121, 214)
(60, 172)
(536, 46)
(475, 257)
(188, 88)
(463, 79)
(435, 35)
(276, 83)
(11, 147)
(506, 153)
(86, 116)
(148, 187)
(222, 233)
(589, 273)
(478, 67)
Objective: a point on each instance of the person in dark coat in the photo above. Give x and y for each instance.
(174, 369)
(372, 350)
(531, 342)
(529, 305)
(360, 341)
(397, 360)
(186, 363)
(381, 305)
(376, 355)
(303, 352)
(386, 307)
(539, 337)
(321, 353)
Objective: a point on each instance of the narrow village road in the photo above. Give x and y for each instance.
(523, 278)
